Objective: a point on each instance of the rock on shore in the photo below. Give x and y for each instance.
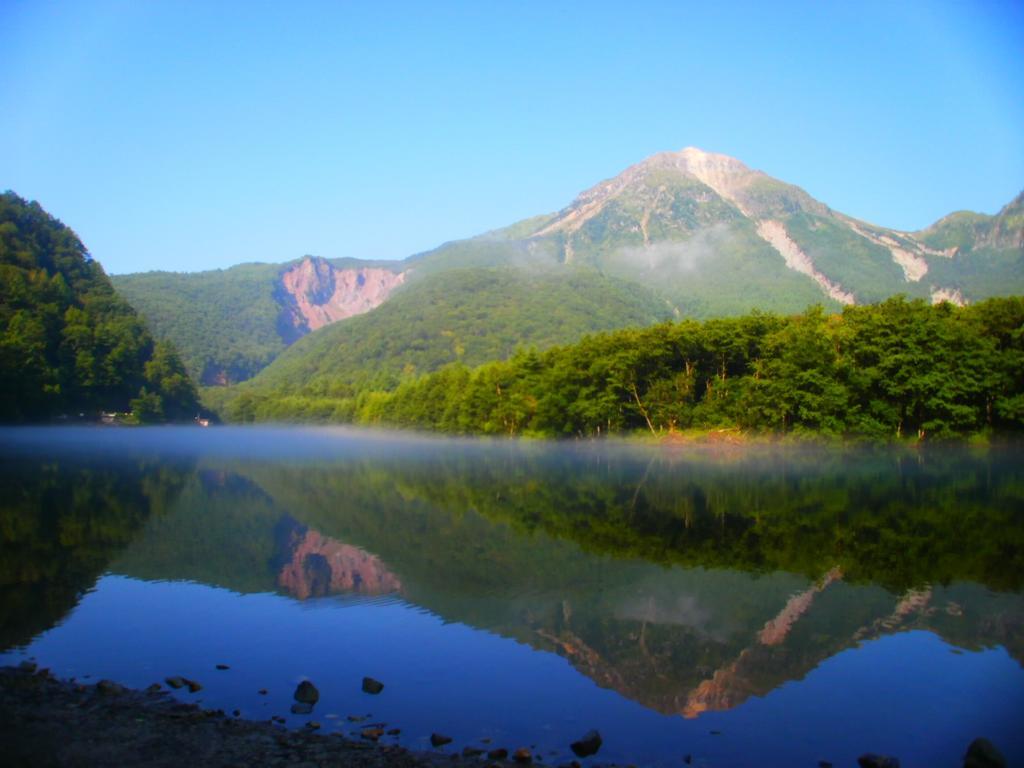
(49, 722)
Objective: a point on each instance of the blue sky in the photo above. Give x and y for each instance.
(191, 135)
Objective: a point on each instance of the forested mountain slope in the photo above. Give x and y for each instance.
(463, 315)
(231, 323)
(701, 233)
(898, 369)
(68, 343)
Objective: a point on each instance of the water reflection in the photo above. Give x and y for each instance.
(684, 580)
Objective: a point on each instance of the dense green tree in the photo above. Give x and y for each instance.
(68, 343)
(897, 369)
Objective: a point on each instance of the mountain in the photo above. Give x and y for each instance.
(464, 315)
(695, 234)
(69, 344)
(229, 324)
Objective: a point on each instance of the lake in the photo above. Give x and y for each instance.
(734, 605)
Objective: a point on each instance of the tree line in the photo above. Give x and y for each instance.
(900, 368)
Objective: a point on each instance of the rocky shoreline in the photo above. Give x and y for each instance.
(47, 722)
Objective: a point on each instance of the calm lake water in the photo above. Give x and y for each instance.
(739, 605)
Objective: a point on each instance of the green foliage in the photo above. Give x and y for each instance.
(61, 523)
(68, 342)
(985, 254)
(900, 368)
(462, 316)
(846, 258)
(223, 321)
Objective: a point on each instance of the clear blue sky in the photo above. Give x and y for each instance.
(192, 135)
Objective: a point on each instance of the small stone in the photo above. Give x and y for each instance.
(313, 725)
(223, 666)
(394, 731)
(498, 754)
(824, 764)
(236, 712)
(154, 688)
(109, 688)
(193, 686)
(471, 752)
(439, 740)
(307, 693)
(262, 691)
(373, 734)
(588, 745)
(356, 718)
(688, 759)
(982, 753)
(871, 760)
(175, 682)
(302, 708)
(29, 667)
(372, 686)
(522, 755)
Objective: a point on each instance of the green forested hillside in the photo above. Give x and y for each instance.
(462, 315)
(700, 234)
(986, 252)
(223, 320)
(901, 368)
(68, 343)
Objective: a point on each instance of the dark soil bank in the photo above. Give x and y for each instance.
(49, 722)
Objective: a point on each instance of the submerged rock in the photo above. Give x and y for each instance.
(439, 740)
(302, 708)
(588, 745)
(175, 681)
(497, 754)
(193, 686)
(223, 666)
(372, 686)
(307, 693)
(522, 755)
(871, 760)
(373, 734)
(982, 753)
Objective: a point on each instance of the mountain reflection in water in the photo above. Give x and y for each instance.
(683, 580)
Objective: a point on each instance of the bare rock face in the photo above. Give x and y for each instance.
(319, 565)
(315, 293)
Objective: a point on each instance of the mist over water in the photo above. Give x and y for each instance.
(728, 602)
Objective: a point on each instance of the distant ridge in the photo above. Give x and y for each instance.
(693, 233)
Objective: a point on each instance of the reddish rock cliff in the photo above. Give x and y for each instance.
(320, 565)
(316, 293)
